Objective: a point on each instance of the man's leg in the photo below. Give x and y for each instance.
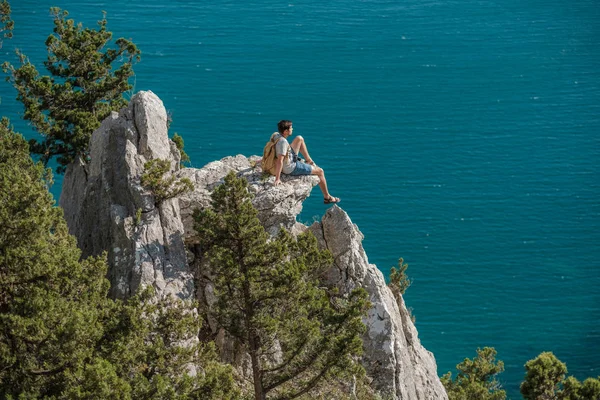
(323, 184)
(299, 147)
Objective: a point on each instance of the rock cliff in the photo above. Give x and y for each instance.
(107, 209)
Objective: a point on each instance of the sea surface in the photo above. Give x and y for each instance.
(461, 136)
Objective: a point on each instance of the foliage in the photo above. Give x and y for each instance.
(545, 379)
(60, 336)
(399, 281)
(300, 334)
(347, 389)
(83, 87)
(575, 390)
(163, 188)
(476, 378)
(6, 24)
(154, 344)
(138, 216)
(178, 140)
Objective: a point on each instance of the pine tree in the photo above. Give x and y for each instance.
(544, 375)
(161, 183)
(399, 281)
(298, 332)
(60, 336)
(398, 284)
(576, 390)
(47, 297)
(83, 87)
(6, 24)
(545, 379)
(178, 140)
(476, 378)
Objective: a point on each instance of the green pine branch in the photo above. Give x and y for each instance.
(163, 185)
(86, 83)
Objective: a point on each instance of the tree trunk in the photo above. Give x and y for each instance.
(253, 339)
(259, 393)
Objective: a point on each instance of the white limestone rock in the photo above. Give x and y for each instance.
(101, 200)
(277, 206)
(400, 366)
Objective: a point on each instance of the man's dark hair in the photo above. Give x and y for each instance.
(283, 125)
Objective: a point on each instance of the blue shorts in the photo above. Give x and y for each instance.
(301, 169)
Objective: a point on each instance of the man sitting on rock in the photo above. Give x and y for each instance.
(287, 161)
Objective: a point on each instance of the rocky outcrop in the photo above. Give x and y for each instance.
(277, 206)
(401, 368)
(394, 357)
(108, 210)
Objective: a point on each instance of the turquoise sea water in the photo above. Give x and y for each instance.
(462, 136)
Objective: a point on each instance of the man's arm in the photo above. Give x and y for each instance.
(278, 168)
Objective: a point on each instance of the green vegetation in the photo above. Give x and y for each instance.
(178, 140)
(6, 24)
(138, 216)
(476, 378)
(399, 281)
(299, 333)
(83, 87)
(162, 187)
(545, 379)
(60, 336)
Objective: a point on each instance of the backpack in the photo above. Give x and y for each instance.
(269, 156)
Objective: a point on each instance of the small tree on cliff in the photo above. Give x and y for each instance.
(60, 336)
(83, 87)
(178, 140)
(398, 284)
(163, 185)
(476, 378)
(399, 281)
(298, 332)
